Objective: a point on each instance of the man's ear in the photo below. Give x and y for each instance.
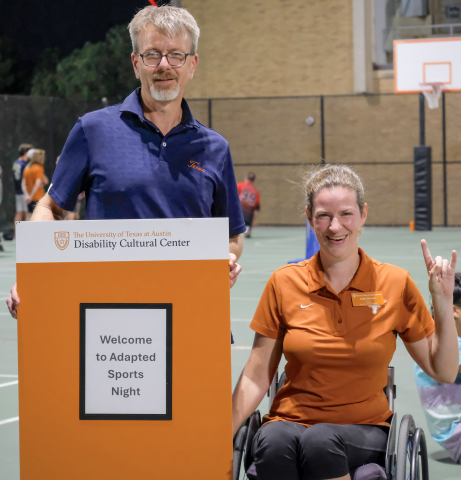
(134, 61)
(456, 312)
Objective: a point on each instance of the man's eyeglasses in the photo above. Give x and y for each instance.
(153, 59)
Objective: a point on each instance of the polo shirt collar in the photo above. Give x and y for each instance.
(362, 280)
(132, 104)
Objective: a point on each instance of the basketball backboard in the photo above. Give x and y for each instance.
(418, 64)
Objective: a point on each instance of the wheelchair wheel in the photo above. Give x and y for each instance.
(419, 457)
(405, 447)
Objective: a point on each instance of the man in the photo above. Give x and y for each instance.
(18, 170)
(149, 157)
(249, 199)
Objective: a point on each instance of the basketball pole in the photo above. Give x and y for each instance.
(423, 175)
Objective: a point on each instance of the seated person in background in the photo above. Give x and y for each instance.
(442, 403)
(33, 179)
(335, 317)
(249, 199)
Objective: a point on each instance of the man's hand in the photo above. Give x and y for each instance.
(28, 198)
(13, 302)
(234, 269)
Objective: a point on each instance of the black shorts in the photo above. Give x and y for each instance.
(248, 217)
(31, 206)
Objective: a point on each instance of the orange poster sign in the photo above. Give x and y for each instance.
(120, 276)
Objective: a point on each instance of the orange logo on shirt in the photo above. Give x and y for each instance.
(61, 239)
(196, 165)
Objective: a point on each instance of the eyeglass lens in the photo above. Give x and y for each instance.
(175, 59)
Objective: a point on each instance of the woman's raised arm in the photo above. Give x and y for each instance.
(438, 353)
(255, 378)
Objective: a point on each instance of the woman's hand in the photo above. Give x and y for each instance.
(441, 274)
(27, 198)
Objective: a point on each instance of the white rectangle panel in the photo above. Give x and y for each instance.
(122, 240)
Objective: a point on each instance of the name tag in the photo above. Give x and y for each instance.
(367, 299)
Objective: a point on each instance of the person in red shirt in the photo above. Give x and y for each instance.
(249, 199)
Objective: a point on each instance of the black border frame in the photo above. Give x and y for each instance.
(169, 361)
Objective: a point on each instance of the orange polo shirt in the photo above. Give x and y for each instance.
(337, 354)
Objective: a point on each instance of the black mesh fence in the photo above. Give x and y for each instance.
(278, 138)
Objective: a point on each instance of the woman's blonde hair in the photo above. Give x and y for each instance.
(36, 156)
(331, 176)
(171, 22)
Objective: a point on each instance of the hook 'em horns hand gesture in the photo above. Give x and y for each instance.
(441, 274)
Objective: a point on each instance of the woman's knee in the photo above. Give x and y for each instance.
(276, 438)
(321, 439)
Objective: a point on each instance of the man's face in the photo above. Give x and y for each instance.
(163, 83)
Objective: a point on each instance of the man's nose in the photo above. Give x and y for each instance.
(163, 63)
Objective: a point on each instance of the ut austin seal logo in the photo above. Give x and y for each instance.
(61, 239)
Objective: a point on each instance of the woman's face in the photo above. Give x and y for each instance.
(336, 221)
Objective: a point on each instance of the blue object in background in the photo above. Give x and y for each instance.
(312, 245)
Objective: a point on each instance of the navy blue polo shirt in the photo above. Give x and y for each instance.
(128, 169)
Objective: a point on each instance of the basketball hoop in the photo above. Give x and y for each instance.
(433, 95)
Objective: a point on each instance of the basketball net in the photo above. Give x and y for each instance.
(433, 95)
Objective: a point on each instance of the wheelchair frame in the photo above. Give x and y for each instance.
(411, 446)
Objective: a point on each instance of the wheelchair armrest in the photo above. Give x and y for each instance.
(238, 444)
(254, 424)
(390, 450)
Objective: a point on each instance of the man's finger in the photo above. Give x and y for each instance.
(427, 255)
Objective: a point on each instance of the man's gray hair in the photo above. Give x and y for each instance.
(171, 21)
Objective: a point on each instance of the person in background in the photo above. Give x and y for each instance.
(18, 169)
(249, 199)
(442, 402)
(33, 179)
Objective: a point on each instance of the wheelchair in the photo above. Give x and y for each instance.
(408, 462)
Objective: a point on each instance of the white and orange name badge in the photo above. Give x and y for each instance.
(374, 300)
(118, 321)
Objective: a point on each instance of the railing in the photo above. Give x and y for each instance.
(396, 30)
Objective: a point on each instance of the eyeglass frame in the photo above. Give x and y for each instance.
(161, 58)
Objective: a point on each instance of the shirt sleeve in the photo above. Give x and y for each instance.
(226, 202)
(71, 174)
(268, 319)
(415, 322)
(39, 172)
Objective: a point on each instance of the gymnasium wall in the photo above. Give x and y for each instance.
(272, 48)
(375, 134)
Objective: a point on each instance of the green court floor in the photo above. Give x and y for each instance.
(269, 249)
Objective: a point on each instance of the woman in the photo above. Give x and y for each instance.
(335, 318)
(33, 179)
(442, 403)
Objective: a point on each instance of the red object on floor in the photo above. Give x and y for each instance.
(153, 3)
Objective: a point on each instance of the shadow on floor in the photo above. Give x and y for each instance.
(442, 457)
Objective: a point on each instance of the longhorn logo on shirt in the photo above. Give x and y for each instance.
(61, 239)
(195, 165)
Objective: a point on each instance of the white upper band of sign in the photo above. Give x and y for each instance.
(122, 240)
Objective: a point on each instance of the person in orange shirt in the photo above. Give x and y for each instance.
(249, 199)
(335, 317)
(33, 179)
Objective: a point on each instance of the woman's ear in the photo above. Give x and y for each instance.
(309, 218)
(456, 312)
